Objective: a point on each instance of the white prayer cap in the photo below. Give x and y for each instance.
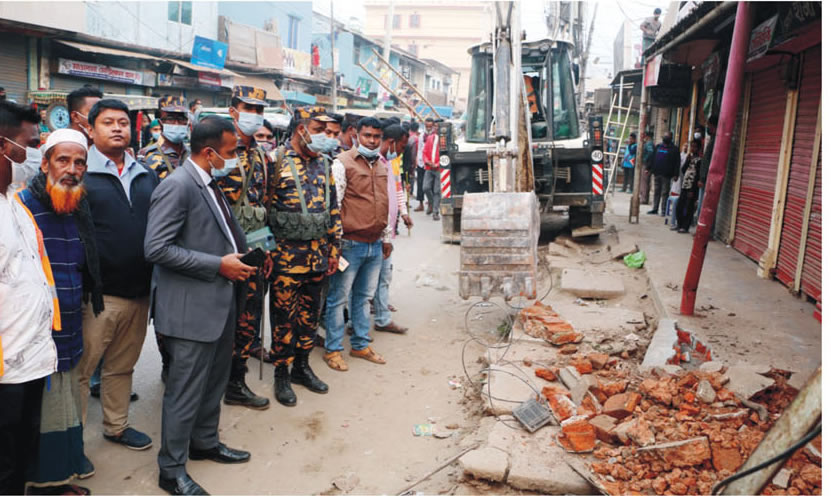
(64, 136)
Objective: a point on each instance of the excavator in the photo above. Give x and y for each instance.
(560, 163)
(523, 155)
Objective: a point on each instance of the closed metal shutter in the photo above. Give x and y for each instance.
(761, 159)
(728, 191)
(812, 265)
(14, 74)
(803, 146)
(68, 83)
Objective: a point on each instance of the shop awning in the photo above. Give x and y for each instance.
(264, 82)
(107, 51)
(199, 68)
(299, 97)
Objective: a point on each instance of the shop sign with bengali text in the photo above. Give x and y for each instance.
(99, 71)
(209, 79)
(760, 38)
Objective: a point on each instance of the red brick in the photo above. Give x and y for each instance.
(678, 488)
(562, 407)
(551, 391)
(547, 374)
(568, 349)
(641, 433)
(578, 435)
(660, 485)
(688, 453)
(726, 458)
(811, 474)
(598, 360)
(603, 425)
(621, 405)
(583, 365)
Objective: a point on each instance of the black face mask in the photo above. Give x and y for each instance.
(667, 141)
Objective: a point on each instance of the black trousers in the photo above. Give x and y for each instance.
(628, 178)
(420, 184)
(685, 208)
(20, 406)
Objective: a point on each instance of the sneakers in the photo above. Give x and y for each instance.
(132, 439)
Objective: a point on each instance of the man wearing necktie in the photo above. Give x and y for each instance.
(196, 244)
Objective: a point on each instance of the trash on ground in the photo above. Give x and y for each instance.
(635, 260)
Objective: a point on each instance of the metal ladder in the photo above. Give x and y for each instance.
(407, 94)
(611, 172)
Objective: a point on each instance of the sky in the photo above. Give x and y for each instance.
(610, 15)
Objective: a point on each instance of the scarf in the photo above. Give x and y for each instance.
(93, 286)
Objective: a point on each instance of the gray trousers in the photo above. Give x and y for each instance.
(662, 186)
(432, 188)
(190, 409)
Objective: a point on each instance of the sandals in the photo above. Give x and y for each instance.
(392, 327)
(368, 354)
(335, 361)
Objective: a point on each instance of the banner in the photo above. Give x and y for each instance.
(209, 79)
(168, 80)
(760, 38)
(208, 53)
(297, 62)
(98, 71)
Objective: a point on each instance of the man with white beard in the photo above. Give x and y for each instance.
(55, 198)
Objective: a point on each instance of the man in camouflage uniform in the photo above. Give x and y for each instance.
(162, 157)
(301, 267)
(254, 169)
(166, 154)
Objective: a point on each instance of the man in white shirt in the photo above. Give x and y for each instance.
(28, 301)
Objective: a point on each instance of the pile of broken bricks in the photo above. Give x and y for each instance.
(659, 430)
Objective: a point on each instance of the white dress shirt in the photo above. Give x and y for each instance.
(206, 178)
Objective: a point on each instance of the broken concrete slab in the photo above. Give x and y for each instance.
(705, 392)
(660, 349)
(603, 427)
(745, 380)
(622, 249)
(782, 478)
(536, 465)
(610, 320)
(486, 463)
(587, 284)
(711, 366)
(504, 390)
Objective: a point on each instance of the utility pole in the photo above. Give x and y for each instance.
(585, 58)
(387, 40)
(332, 50)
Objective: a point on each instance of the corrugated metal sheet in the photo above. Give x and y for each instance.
(13, 67)
(803, 146)
(728, 190)
(761, 159)
(812, 266)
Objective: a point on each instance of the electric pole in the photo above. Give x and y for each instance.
(332, 48)
(387, 41)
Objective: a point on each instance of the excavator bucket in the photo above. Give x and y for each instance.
(499, 239)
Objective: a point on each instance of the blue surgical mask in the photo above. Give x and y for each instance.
(331, 145)
(230, 164)
(317, 142)
(367, 153)
(391, 155)
(249, 123)
(176, 133)
(156, 136)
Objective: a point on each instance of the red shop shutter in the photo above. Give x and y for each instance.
(812, 265)
(803, 146)
(761, 159)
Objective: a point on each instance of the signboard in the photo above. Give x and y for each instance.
(208, 53)
(760, 38)
(795, 15)
(711, 68)
(653, 70)
(169, 80)
(98, 71)
(269, 50)
(209, 79)
(362, 87)
(297, 62)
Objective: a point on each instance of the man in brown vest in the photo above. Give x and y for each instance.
(361, 183)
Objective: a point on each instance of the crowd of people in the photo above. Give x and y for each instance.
(677, 178)
(100, 242)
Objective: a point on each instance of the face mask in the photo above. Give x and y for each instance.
(391, 155)
(22, 172)
(266, 145)
(83, 128)
(156, 135)
(176, 133)
(317, 142)
(230, 164)
(697, 136)
(249, 123)
(331, 145)
(369, 154)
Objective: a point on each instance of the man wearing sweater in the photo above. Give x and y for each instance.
(664, 170)
(118, 191)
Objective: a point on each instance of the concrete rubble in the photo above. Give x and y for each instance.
(597, 285)
(669, 425)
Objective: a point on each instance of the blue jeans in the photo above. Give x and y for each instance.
(383, 316)
(361, 279)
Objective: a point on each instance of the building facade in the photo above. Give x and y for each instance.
(443, 31)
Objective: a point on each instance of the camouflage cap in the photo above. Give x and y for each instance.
(316, 113)
(173, 104)
(250, 95)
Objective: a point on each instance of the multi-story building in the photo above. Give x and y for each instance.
(439, 30)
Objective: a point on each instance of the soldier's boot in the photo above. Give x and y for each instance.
(282, 386)
(301, 373)
(237, 392)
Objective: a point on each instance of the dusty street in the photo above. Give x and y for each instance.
(364, 425)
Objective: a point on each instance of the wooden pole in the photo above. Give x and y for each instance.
(384, 85)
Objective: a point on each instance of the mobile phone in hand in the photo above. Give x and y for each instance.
(254, 258)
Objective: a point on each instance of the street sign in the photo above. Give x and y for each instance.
(208, 53)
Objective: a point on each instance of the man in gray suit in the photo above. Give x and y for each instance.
(195, 244)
